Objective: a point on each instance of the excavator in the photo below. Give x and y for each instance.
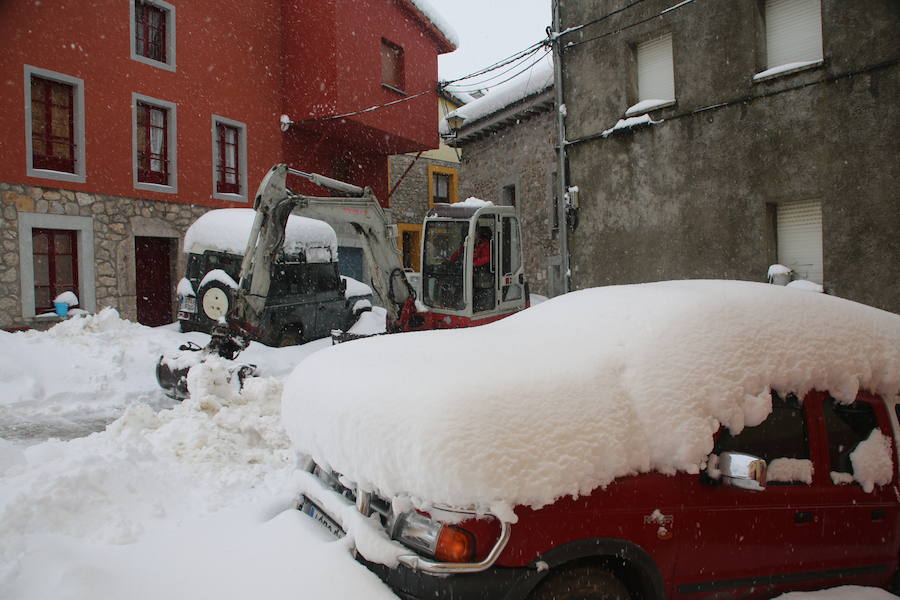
(472, 272)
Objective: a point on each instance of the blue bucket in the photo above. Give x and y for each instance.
(62, 308)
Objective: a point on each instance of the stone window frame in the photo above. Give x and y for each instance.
(242, 159)
(169, 10)
(84, 228)
(80, 174)
(172, 145)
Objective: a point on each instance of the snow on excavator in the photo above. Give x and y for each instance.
(472, 271)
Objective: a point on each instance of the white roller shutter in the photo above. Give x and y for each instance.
(799, 231)
(655, 78)
(793, 31)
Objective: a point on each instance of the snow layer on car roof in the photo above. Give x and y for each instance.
(227, 230)
(568, 395)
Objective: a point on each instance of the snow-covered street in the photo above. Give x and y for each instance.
(164, 499)
(169, 501)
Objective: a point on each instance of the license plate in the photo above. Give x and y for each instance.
(189, 304)
(309, 508)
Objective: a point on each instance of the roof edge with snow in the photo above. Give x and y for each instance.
(441, 30)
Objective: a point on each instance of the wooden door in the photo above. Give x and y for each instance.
(153, 280)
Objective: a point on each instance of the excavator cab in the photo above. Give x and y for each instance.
(472, 269)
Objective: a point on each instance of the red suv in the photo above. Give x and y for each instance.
(807, 498)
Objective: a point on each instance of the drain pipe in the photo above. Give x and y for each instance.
(562, 183)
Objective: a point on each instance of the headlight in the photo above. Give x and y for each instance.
(443, 542)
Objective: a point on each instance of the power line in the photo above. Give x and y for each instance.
(483, 83)
(527, 67)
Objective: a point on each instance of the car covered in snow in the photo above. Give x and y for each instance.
(691, 439)
(308, 297)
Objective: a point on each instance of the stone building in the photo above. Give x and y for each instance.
(113, 144)
(508, 138)
(717, 138)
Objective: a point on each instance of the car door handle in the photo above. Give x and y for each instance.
(804, 516)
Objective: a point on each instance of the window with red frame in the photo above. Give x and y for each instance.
(55, 254)
(52, 125)
(150, 30)
(228, 174)
(152, 144)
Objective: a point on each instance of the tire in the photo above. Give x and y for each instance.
(581, 583)
(290, 337)
(214, 300)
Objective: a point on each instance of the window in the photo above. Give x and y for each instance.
(153, 33)
(56, 254)
(54, 125)
(781, 437)
(409, 240)
(655, 75)
(442, 184)
(798, 236)
(392, 72)
(154, 145)
(508, 195)
(229, 159)
(793, 32)
(847, 425)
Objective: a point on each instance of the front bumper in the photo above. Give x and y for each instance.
(495, 583)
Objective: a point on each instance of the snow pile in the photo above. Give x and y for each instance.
(475, 202)
(789, 470)
(227, 230)
(809, 286)
(217, 275)
(844, 592)
(568, 395)
(67, 297)
(536, 79)
(356, 287)
(82, 371)
(872, 461)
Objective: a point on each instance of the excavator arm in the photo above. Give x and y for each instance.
(359, 209)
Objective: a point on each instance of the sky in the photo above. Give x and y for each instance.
(489, 30)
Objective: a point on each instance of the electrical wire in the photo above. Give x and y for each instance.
(527, 67)
(482, 84)
(625, 27)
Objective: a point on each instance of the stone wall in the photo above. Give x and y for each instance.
(116, 221)
(409, 202)
(693, 196)
(521, 154)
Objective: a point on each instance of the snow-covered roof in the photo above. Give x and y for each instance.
(566, 396)
(434, 17)
(227, 230)
(535, 80)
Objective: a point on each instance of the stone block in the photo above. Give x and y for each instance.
(52, 195)
(84, 199)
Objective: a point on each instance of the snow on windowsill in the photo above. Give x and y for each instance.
(629, 124)
(786, 69)
(645, 106)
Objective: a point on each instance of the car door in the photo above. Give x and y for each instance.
(739, 543)
(860, 539)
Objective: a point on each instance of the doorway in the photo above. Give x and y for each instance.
(153, 280)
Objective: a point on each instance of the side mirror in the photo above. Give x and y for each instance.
(743, 471)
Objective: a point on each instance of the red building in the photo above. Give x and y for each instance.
(127, 119)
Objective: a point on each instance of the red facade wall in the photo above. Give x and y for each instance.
(245, 60)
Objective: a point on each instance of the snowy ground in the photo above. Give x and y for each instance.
(169, 500)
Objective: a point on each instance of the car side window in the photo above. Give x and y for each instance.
(847, 425)
(781, 440)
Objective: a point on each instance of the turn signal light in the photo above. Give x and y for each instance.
(454, 545)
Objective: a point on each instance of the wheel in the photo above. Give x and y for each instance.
(581, 583)
(215, 299)
(290, 337)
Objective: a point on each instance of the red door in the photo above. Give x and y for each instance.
(153, 280)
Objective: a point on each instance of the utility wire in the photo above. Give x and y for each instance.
(522, 70)
(481, 84)
(624, 27)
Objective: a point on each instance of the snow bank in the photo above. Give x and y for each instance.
(844, 592)
(568, 395)
(227, 230)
